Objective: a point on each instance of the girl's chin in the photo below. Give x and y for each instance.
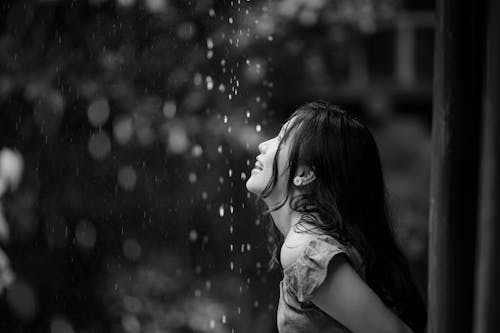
(252, 186)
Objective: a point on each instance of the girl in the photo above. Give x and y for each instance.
(322, 181)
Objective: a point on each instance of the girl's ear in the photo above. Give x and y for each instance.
(306, 174)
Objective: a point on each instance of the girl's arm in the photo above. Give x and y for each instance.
(347, 298)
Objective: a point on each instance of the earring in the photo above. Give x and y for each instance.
(297, 181)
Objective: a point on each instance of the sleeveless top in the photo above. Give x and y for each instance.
(296, 313)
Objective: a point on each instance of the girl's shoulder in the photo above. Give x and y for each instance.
(305, 258)
(297, 242)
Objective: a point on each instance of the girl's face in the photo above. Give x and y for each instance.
(262, 172)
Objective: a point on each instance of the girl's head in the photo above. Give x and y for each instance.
(325, 163)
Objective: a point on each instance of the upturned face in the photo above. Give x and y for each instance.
(262, 172)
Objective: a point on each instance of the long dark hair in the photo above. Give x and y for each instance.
(349, 196)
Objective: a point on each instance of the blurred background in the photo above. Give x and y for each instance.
(127, 131)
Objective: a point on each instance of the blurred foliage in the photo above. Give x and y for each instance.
(137, 121)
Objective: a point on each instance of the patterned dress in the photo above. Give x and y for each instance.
(296, 313)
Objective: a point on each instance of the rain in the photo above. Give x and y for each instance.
(128, 132)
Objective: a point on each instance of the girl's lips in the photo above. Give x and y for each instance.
(255, 170)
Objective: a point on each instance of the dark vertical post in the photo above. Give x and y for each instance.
(487, 305)
(458, 68)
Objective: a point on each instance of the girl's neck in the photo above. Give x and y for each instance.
(285, 218)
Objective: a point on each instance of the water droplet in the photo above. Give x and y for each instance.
(99, 145)
(211, 13)
(61, 325)
(258, 128)
(193, 235)
(98, 112)
(210, 43)
(219, 149)
(169, 109)
(197, 151)
(132, 249)
(197, 79)
(225, 119)
(123, 130)
(210, 83)
(85, 235)
(231, 20)
(192, 177)
(223, 319)
(127, 177)
(221, 210)
(243, 176)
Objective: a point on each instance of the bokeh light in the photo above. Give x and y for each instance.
(99, 145)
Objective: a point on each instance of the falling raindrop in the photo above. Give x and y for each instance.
(98, 112)
(85, 235)
(169, 109)
(127, 177)
(210, 83)
(197, 151)
(61, 325)
(123, 129)
(198, 79)
(192, 177)
(132, 249)
(221, 210)
(99, 145)
(193, 235)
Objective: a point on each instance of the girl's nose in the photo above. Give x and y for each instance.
(262, 147)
